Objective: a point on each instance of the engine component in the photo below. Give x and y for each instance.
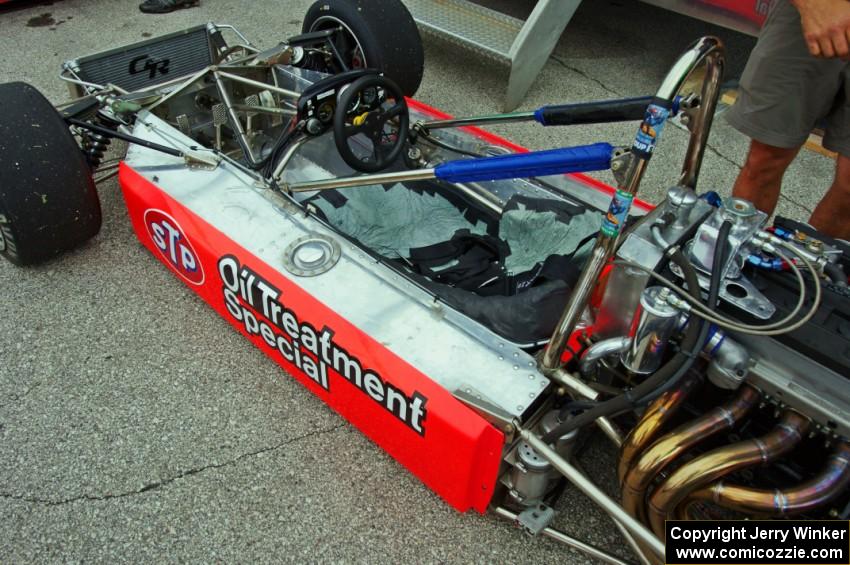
(530, 477)
(746, 221)
(667, 449)
(730, 361)
(651, 332)
(825, 487)
(736, 289)
(625, 284)
(563, 445)
(600, 350)
(706, 468)
(654, 418)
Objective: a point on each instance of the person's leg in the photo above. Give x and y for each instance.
(832, 215)
(761, 178)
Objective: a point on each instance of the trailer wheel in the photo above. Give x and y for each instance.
(48, 202)
(375, 35)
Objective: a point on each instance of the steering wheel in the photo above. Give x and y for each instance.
(365, 131)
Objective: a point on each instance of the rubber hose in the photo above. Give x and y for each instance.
(835, 274)
(626, 400)
(677, 367)
(719, 258)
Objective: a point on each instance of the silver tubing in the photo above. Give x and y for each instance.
(627, 535)
(365, 180)
(258, 84)
(293, 147)
(565, 539)
(701, 127)
(578, 388)
(189, 82)
(78, 81)
(602, 349)
(585, 485)
(685, 65)
(235, 123)
(235, 31)
(630, 539)
(575, 307)
(606, 244)
(482, 196)
(264, 110)
(479, 120)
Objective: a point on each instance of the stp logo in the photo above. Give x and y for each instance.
(168, 237)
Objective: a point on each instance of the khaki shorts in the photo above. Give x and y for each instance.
(785, 92)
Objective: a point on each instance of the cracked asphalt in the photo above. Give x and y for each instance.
(135, 425)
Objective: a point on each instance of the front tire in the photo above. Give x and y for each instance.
(48, 201)
(374, 34)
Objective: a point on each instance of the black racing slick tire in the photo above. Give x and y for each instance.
(48, 201)
(384, 31)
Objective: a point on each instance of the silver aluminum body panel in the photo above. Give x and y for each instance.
(451, 349)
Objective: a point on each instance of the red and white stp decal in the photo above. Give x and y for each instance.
(175, 247)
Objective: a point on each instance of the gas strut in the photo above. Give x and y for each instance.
(599, 112)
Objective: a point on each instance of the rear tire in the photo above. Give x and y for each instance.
(48, 201)
(385, 32)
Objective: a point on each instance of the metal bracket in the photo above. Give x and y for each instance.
(486, 409)
(536, 519)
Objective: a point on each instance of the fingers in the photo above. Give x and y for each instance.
(827, 51)
(846, 57)
(814, 46)
(839, 43)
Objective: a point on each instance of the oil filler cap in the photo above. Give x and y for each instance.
(311, 255)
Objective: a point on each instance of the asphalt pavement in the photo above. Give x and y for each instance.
(136, 426)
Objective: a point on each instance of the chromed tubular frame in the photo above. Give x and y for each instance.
(363, 180)
(600, 350)
(186, 84)
(707, 468)
(290, 152)
(565, 539)
(255, 83)
(478, 120)
(643, 535)
(233, 117)
(264, 110)
(833, 479)
(701, 127)
(606, 244)
(579, 388)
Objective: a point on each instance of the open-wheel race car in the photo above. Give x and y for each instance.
(475, 309)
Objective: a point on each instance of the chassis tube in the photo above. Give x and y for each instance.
(585, 485)
(363, 180)
(570, 541)
(647, 137)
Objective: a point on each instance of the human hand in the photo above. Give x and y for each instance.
(826, 26)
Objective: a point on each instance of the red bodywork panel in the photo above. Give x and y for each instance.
(457, 454)
(752, 10)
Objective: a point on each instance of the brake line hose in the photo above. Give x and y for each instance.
(677, 367)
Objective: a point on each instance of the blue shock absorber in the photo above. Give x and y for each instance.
(586, 158)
